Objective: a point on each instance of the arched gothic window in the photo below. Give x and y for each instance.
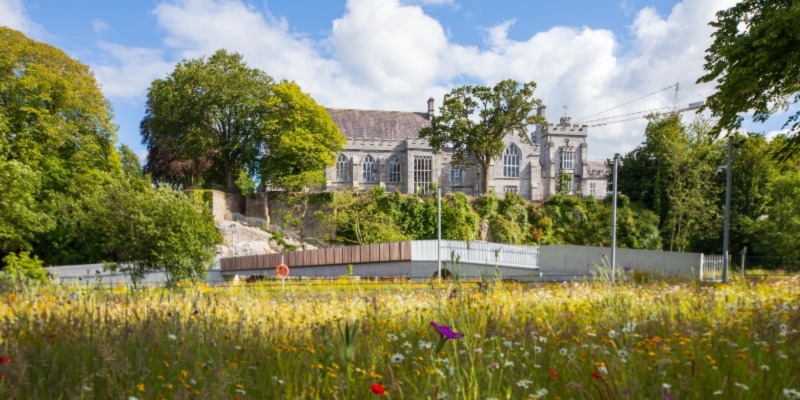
(341, 169)
(369, 171)
(394, 169)
(511, 158)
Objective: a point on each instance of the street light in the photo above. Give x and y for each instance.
(614, 220)
(439, 229)
(233, 242)
(728, 179)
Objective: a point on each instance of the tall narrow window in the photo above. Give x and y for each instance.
(341, 169)
(456, 176)
(567, 159)
(368, 169)
(511, 157)
(423, 172)
(394, 169)
(593, 189)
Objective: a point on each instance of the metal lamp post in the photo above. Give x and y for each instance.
(728, 184)
(233, 237)
(727, 211)
(439, 229)
(614, 220)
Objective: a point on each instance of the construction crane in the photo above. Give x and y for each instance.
(640, 114)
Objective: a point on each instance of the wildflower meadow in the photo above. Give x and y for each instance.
(358, 340)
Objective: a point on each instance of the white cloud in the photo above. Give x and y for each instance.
(13, 15)
(128, 71)
(773, 134)
(99, 26)
(389, 54)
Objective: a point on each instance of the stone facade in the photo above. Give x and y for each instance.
(384, 149)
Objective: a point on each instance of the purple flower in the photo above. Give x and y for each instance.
(626, 268)
(445, 333)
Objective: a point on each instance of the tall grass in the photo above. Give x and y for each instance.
(576, 340)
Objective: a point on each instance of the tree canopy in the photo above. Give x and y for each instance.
(54, 127)
(300, 140)
(755, 63)
(474, 120)
(206, 120)
(217, 120)
(67, 196)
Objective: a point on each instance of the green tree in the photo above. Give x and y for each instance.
(474, 120)
(754, 166)
(301, 140)
(159, 230)
(672, 173)
(754, 62)
(55, 129)
(21, 215)
(459, 220)
(131, 167)
(22, 269)
(207, 120)
(779, 232)
(358, 219)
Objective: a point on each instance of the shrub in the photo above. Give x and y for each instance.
(21, 269)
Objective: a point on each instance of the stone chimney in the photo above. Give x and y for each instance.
(430, 108)
(566, 121)
(540, 111)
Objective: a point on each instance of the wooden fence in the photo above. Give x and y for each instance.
(368, 253)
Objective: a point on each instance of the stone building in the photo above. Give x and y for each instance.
(384, 149)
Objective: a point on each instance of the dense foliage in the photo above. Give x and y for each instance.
(755, 64)
(474, 120)
(68, 195)
(678, 173)
(218, 121)
(376, 216)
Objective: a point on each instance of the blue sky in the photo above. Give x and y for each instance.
(393, 54)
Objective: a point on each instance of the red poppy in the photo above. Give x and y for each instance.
(378, 389)
(5, 360)
(595, 375)
(554, 373)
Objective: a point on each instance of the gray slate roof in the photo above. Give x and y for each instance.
(597, 167)
(370, 124)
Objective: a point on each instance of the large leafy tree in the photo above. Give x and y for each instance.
(55, 128)
(672, 173)
(300, 140)
(206, 120)
(755, 63)
(474, 120)
(779, 231)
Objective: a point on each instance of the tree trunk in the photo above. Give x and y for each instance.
(230, 178)
(485, 188)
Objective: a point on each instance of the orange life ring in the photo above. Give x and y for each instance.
(282, 271)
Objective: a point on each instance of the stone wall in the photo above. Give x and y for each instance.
(224, 204)
(257, 207)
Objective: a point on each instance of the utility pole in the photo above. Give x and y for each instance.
(727, 211)
(614, 221)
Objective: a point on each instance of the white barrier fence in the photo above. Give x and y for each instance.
(711, 267)
(482, 253)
